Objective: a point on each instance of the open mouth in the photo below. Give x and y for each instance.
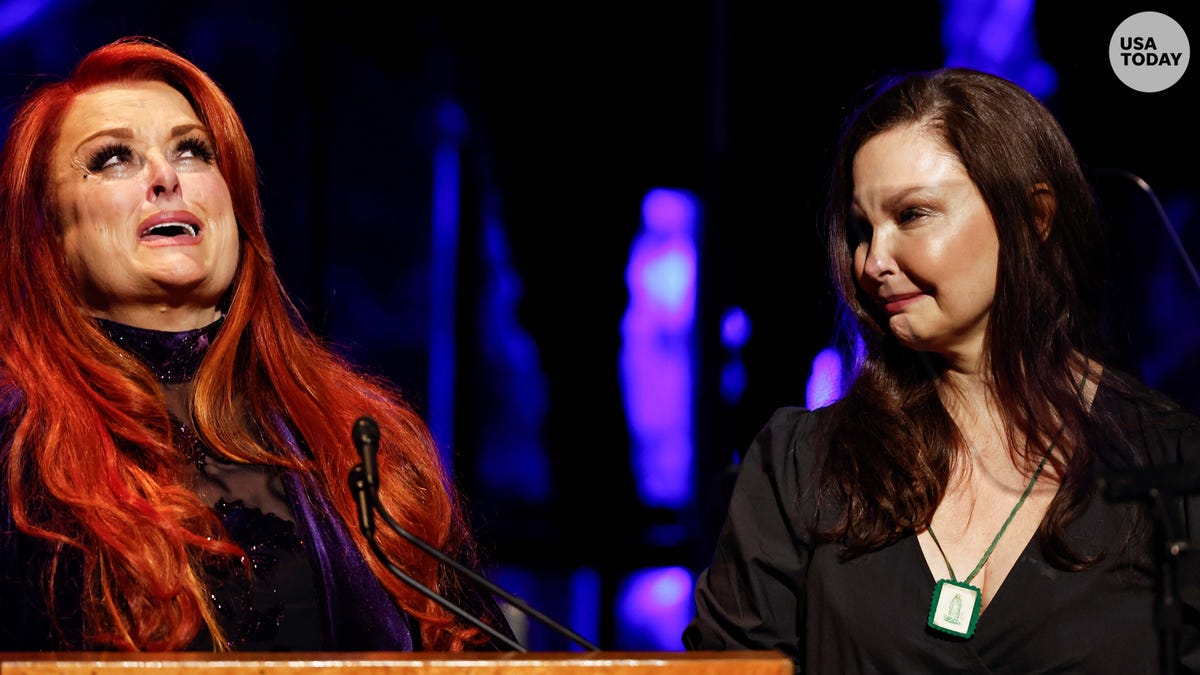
(170, 230)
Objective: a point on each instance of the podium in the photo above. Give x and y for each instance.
(398, 663)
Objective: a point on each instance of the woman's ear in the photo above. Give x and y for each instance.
(1044, 206)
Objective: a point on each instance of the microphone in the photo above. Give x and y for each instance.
(364, 483)
(366, 514)
(366, 440)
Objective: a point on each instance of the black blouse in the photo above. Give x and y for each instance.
(771, 586)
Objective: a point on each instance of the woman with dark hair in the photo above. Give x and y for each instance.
(174, 442)
(948, 512)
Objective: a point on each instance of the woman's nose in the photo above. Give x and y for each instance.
(879, 261)
(164, 181)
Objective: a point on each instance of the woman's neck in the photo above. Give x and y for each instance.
(173, 356)
(159, 317)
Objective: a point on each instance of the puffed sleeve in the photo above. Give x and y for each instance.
(751, 596)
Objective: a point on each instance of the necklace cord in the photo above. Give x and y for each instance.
(995, 540)
(1028, 489)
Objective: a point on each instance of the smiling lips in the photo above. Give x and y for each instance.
(170, 228)
(894, 303)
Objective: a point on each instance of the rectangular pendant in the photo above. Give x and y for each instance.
(955, 608)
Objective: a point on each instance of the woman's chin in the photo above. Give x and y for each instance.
(905, 332)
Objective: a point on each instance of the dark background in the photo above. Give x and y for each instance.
(568, 114)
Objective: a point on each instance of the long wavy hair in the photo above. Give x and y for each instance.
(892, 442)
(90, 468)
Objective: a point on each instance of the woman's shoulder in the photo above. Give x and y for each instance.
(797, 422)
(793, 433)
(793, 416)
(1168, 430)
(1125, 393)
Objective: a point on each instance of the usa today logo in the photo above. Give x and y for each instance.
(1149, 51)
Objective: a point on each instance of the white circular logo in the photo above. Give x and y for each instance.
(1149, 51)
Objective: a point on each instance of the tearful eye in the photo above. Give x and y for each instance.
(108, 156)
(195, 148)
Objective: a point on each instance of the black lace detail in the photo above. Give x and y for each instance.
(187, 442)
(246, 592)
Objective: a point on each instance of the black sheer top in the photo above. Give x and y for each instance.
(276, 607)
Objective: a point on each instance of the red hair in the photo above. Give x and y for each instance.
(90, 466)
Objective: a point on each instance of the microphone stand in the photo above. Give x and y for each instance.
(364, 485)
(1162, 486)
(359, 488)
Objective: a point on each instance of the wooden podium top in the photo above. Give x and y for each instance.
(400, 663)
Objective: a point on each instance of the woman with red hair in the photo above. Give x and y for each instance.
(174, 442)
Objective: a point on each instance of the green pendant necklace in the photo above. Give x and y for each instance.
(956, 604)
